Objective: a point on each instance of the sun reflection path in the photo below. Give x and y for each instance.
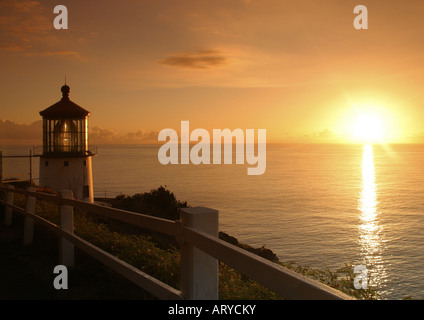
(370, 230)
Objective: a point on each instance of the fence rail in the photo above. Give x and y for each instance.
(197, 231)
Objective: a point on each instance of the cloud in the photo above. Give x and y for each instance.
(198, 59)
(13, 46)
(416, 138)
(12, 132)
(59, 53)
(24, 23)
(99, 135)
(26, 27)
(326, 133)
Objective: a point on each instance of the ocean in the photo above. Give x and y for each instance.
(317, 205)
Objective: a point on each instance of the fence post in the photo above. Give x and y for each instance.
(66, 248)
(28, 221)
(199, 271)
(9, 200)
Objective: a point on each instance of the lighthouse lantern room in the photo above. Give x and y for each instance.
(66, 159)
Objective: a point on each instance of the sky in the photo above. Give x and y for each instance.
(298, 69)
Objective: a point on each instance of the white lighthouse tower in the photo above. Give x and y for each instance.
(66, 159)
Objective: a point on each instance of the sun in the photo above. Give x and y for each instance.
(368, 127)
(377, 121)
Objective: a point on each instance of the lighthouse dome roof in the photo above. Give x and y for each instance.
(65, 108)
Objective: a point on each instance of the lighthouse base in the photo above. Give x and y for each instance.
(68, 173)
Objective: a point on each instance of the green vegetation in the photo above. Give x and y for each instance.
(159, 203)
(158, 255)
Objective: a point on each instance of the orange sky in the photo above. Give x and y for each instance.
(295, 68)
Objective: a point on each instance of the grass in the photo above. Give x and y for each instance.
(146, 251)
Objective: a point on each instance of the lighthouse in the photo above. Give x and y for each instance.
(66, 161)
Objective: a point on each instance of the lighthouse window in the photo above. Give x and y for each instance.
(85, 163)
(66, 163)
(46, 163)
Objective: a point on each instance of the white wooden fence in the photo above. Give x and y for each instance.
(201, 249)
